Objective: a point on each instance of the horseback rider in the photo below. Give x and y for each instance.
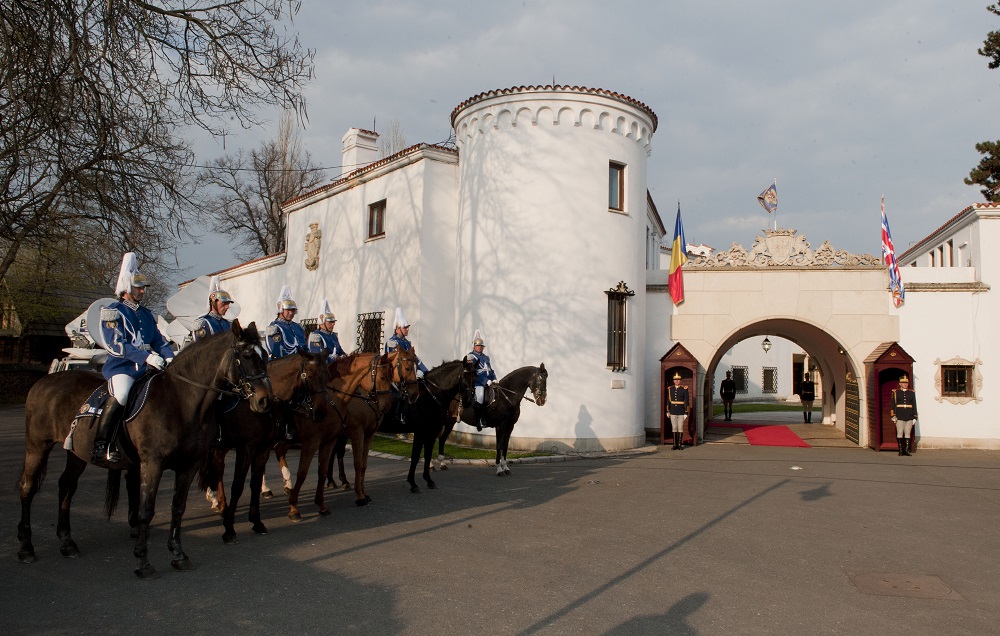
(401, 329)
(285, 337)
(134, 345)
(214, 321)
(324, 337)
(485, 376)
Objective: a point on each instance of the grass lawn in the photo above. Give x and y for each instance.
(392, 446)
(754, 407)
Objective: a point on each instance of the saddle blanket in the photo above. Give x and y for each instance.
(94, 405)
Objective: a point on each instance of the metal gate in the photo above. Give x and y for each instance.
(853, 410)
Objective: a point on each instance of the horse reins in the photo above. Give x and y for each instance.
(244, 387)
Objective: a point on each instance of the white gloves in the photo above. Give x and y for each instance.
(893, 419)
(489, 383)
(156, 361)
(420, 373)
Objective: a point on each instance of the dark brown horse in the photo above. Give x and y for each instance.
(503, 412)
(171, 432)
(360, 391)
(430, 414)
(298, 384)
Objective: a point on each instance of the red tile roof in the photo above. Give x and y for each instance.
(920, 245)
(555, 88)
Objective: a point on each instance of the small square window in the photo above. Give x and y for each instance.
(740, 377)
(956, 381)
(770, 380)
(376, 219)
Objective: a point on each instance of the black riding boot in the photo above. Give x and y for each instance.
(899, 445)
(106, 453)
(906, 446)
(477, 409)
(677, 441)
(805, 417)
(809, 417)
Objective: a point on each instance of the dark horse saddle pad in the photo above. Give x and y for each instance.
(94, 405)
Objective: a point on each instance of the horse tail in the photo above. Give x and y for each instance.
(112, 491)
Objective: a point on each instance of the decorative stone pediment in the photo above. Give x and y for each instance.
(783, 248)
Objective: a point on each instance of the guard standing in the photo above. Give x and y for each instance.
(134, 344)
(904, 414)
(485, 376)
(727, 391)
(678, 403)
(324, 337)
(807, 394)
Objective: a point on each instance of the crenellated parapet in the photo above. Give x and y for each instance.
(555, 106)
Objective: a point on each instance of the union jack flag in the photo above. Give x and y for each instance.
(889, 258)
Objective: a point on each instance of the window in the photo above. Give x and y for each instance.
(370, 332)
(740, 378)
(769, 380)
(376, 219)
(617, 323)
(956, 381)
(616, 186)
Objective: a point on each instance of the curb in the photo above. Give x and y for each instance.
(648, 449)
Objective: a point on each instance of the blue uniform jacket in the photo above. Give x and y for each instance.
(484, 372)
(284, 337)
(130, 335)
(321, 339)
(399, 342)
(209, 324)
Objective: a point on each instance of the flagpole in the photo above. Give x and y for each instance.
(776, 207)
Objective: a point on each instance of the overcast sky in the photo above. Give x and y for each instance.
(840, 101)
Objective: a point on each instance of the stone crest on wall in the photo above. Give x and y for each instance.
(313, 239)
(783, 248)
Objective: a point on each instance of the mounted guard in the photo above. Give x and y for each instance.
(215, 320)
(398, 340)
(284, 335)
(324, 337)
(135, 345)
(485, 377)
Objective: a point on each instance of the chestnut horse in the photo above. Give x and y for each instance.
(171, 432)
(360, 391)
(503, 412)
(298, 384)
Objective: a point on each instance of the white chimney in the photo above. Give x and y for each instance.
(360, 148)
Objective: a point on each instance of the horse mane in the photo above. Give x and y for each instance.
(201, 348)
(517, 373)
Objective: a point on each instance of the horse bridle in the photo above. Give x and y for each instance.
(306, 403)
(243, 386)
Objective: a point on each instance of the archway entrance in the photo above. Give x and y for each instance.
(823, 356)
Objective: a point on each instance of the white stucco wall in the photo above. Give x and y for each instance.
(538, 247)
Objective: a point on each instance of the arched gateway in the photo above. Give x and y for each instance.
(832, 304)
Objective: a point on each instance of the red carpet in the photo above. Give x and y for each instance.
(768, 435)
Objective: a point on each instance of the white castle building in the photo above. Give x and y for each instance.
(537, 228)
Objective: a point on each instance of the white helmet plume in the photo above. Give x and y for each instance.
(285, 299)
(400, 320)
(128, 275)
(325, 311)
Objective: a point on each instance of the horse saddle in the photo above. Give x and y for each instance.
(94, 405)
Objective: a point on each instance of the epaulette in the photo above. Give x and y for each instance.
(272, 329)
(391, 345)
(109, 314)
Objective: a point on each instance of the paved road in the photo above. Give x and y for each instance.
(718, 539)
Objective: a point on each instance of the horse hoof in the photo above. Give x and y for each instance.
(69, 550)
(182, 565)
(346, 487)
(26, 556)
(506, 471)
(360, 502)
(133, 532)
(260, 528)
(444, 466)
(288, 490)
(147, 573)
(294, 516)
(330, 485)
(415, 489)
(368, 499)
(266, 494)
(229, 538)
(324, 512)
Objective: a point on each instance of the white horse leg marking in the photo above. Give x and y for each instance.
(287, 476)
(263, 485)
(212, 499)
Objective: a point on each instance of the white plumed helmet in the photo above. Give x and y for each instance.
(478, 339)
(285, 299)
(325, 313)
(129, 276)
(400, 320)
(215, 292)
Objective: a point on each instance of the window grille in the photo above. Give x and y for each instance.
(769, 380)
(370, 332)
(740, 377)
(956, 381)
(617, 326)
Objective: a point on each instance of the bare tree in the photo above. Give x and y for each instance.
(91, 92)
(246, 190)
(392, 140)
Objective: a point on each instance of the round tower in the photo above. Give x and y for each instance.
(552, 214)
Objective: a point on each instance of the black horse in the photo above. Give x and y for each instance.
(298, 384)
(428, 416)
(503, 411)
(171, 432)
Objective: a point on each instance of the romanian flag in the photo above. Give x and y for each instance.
(678, 256)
